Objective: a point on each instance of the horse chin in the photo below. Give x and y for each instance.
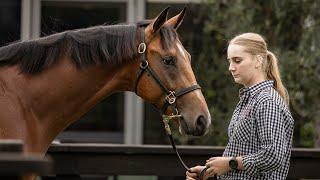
(183, 127)
(181, 131)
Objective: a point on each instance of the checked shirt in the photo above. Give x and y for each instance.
(261, 131)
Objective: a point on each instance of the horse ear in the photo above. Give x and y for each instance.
(160, 20)
(177, 20)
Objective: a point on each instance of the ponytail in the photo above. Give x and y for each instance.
(273, 73)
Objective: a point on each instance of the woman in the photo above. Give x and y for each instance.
(261, 129)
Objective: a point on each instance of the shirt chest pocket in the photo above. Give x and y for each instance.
(243, 130)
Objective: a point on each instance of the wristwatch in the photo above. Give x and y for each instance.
(233, 163)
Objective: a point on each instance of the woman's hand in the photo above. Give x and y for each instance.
(218, 165)
(195, 172)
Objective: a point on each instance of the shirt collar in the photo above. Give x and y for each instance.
(252, 90)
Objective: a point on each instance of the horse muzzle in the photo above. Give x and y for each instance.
(199, 128)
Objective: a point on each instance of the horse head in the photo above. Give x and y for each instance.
(165, 77)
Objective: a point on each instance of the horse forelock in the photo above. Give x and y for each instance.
(168, 36)
(95, 45)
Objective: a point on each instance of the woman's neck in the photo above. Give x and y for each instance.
(255, 80)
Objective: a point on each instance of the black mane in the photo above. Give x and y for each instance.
(95, 45)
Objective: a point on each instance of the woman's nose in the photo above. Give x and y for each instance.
(231, 67)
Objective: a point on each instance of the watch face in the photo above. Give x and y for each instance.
(233, 164)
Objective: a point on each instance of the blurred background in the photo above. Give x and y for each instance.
(290, 27)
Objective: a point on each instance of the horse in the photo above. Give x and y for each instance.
(48, 83)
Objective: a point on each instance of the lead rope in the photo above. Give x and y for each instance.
(166, 119)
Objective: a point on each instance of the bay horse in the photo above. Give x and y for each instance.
(48, 83)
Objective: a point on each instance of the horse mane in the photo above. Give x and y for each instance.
(112, 44)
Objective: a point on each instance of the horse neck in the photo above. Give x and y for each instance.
(62, 94)
(82, 89)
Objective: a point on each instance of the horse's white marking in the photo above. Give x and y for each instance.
(181, 49)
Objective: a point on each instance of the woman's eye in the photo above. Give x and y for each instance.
(237, 60)
(169, 60)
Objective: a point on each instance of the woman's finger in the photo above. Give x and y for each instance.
(210, 159)
(211, 171)
(190, 178)
(193, 175)
(209, 164)
(203, 172)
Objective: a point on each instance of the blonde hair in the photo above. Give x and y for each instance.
(256, 45)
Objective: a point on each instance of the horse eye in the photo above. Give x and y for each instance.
(168, 60)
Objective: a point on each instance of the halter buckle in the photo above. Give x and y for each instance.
(171, 97)
(144, 64)
(142, 48)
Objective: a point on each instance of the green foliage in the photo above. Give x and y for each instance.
(291, 28)
(307, 135)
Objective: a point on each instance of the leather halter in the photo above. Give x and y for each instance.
(170, 98)
(171, 95)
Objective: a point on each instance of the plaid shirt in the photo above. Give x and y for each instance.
(261, 131)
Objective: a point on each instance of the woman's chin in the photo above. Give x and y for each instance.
(236, 80)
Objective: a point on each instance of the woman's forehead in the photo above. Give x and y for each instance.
(235, 50)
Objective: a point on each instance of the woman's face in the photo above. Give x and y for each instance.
(243, 66)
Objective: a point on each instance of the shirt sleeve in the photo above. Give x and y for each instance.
(271, 133)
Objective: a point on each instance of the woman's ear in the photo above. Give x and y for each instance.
(259, 61)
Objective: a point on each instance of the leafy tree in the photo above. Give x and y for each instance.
(291, 28)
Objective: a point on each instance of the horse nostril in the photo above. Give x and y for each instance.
(201, 125)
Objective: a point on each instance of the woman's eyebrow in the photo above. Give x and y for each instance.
(235, 57)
